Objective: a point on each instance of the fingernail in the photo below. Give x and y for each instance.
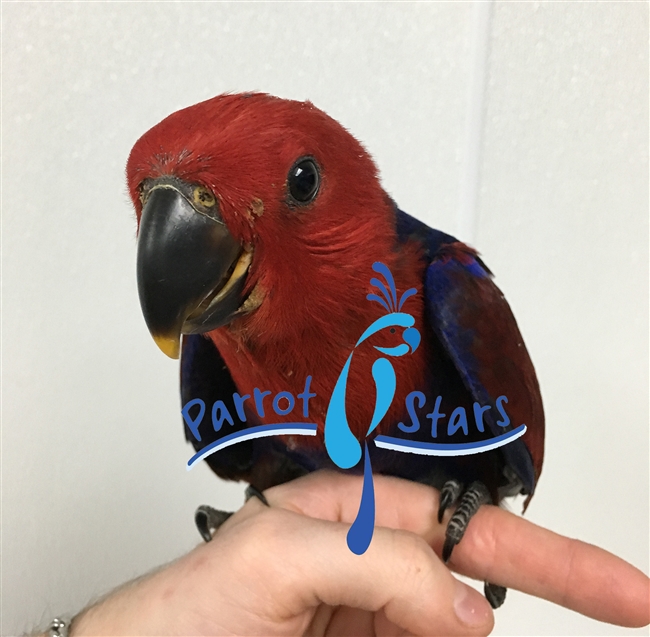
(470, 606)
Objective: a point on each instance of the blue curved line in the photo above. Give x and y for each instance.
(375, 297)
(279, 429)
(410, 292)
(399, 319)
(383, 374)
(382, 268)
(378, 284)
(449, 449)
(398, 350)
(341, 444)
(360, 533)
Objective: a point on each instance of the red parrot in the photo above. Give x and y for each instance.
(259, 221)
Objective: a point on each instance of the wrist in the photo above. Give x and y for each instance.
(121, 613)
(139, 607)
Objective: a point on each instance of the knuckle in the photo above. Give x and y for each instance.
(265, 532)
(415, 547)
(414, 557)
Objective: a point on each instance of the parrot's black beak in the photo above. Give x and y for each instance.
(191, 270)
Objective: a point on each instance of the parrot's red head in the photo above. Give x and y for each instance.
(259, 222)
(252, 210)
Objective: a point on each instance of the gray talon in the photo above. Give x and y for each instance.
(208, 520)
(449, 496)
(251, 492)
(469, 503)
(495, 594)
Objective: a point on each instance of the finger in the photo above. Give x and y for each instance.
(496, 546)
(351, 621)
(505, 549)
(330, 495)
(399, 575)
(333, 496)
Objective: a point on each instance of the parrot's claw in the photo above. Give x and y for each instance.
(468, 505)
(208, 520)
(495, 594)
(252, 492)
(449, 496)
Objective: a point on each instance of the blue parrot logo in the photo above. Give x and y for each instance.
(342, 446)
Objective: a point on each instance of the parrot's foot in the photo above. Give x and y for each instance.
(495, 594)
(468, 504)
(208, 520)
(251, 492)
(449, 496)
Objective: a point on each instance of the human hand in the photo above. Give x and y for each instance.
(286, 570)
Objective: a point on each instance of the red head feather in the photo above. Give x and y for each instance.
(312, 264)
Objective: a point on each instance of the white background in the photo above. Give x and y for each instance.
(520, 126)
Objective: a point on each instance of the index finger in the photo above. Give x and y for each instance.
(502, 548)
(498, 546)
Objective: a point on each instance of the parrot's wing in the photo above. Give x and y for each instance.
(205, 376)
(473, 321)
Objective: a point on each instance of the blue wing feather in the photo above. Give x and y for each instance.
(466, 311)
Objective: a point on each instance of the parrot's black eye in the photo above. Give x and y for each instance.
(392, 330)
(303, 181)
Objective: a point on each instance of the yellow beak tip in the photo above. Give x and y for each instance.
(168, 345)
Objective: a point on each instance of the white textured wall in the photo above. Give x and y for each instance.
(537, 153)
